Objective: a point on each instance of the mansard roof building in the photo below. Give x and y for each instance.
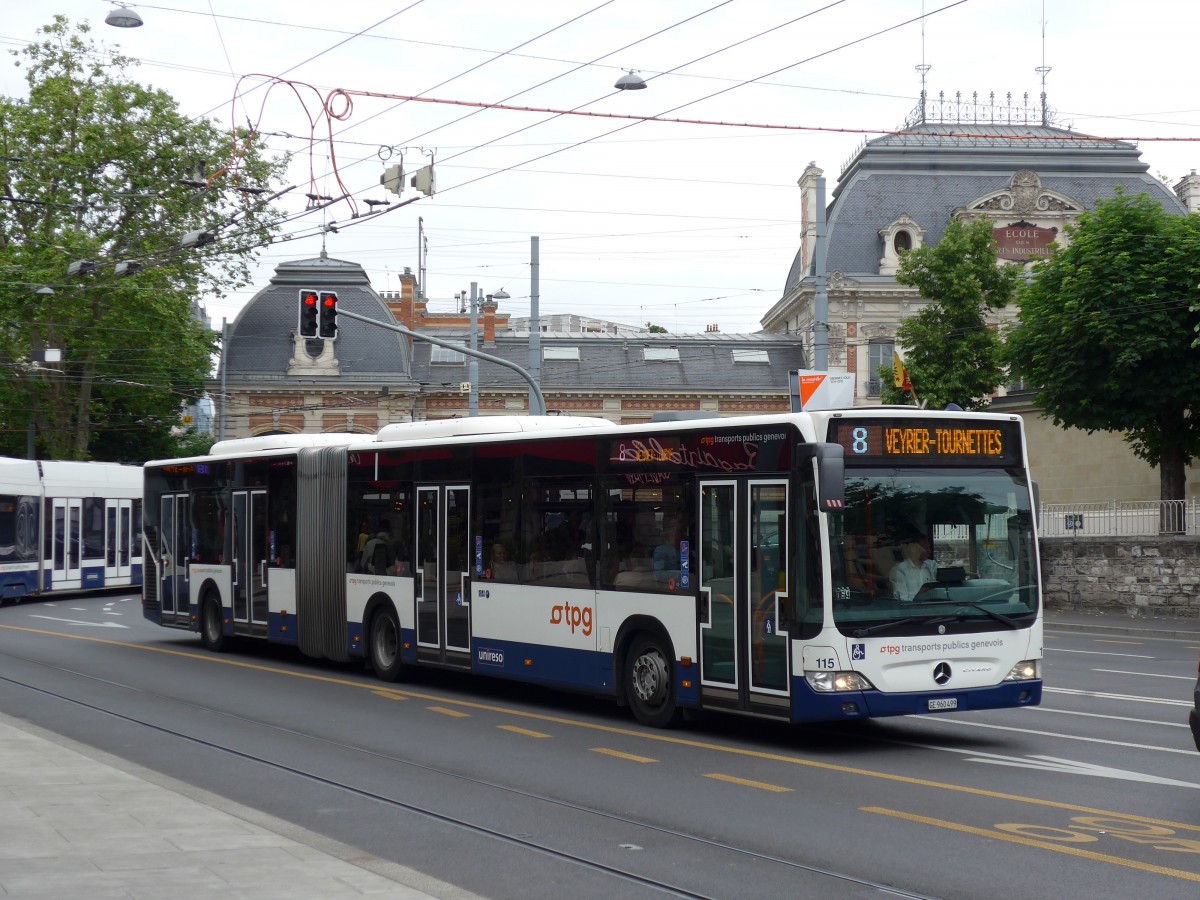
(273, 380)
(954, 160)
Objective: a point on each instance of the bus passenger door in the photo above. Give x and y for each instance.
(744, 606)
(442, 571)
(770, 605)
(173, 558)
(250, 550)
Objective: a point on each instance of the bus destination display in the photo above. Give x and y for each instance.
(918, 440)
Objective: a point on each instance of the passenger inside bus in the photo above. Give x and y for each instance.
(502, 568)
(916, 570)
(378, 557)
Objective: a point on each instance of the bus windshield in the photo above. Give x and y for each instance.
(944, 550)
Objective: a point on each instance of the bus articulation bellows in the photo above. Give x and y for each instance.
(803, 567)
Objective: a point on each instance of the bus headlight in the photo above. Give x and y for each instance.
(1025, 670)
(835, 682)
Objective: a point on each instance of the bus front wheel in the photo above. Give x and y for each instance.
(650, 683)
(212, 628)
(385, 644)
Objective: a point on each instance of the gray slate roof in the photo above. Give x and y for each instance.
(260, 339)
(260, 346)
(931, 172)
(608, 362)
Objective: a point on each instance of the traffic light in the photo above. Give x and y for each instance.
(309, 305)
(328, 327)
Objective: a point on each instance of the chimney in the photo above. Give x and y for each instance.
(488, 307)
(808, 215)
(404, 306)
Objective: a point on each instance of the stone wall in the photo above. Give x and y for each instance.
(1150, 576)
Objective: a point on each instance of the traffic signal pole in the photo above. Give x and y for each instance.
(535, 392)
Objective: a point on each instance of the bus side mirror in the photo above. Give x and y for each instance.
(831, 477)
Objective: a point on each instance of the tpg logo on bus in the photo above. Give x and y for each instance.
(574, 616)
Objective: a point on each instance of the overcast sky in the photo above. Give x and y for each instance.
(682, 225)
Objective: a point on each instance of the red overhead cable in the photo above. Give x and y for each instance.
(603, 115)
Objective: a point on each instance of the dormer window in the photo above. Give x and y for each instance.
(898, 238)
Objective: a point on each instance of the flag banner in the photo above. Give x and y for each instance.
(901, 379)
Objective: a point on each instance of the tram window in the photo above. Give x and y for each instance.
(93, 528)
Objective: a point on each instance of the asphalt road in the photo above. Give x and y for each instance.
(510, 791)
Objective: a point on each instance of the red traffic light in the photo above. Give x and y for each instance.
(308, 313)
(328, 327)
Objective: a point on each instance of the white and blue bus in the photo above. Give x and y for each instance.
(805, 567)
(68, 526)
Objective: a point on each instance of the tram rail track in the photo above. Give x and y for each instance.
(628, 875)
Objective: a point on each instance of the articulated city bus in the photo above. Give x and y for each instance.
(804, 567)
(68, 526)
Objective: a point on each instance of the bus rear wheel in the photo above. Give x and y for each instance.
(212, 628)
(385, 644)
(650, 683)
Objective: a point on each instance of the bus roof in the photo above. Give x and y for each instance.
(480, 425)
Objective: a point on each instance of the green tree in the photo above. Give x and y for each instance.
(1106, 328)
(92, 165)
(951, 353)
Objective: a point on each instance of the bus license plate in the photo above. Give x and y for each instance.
(944, 703)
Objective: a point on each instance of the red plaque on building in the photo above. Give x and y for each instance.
(1023, 242)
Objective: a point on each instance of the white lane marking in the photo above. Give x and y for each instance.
(1071, 767)
(77, 622)
(1057, 764)
(1146, 674)
(1075, 712)
(1103, 653)
(945, 720)
(1101, 695)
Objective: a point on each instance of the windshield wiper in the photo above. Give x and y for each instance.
(884, 626)
(999, 617)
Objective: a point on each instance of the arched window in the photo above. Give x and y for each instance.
(902, 242)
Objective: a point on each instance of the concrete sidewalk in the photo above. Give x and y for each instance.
(78, 823)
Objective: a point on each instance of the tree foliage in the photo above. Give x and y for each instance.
(1106, 331)
(951, 353)
(92, 166)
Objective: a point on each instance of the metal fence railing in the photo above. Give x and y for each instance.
(1118, 518)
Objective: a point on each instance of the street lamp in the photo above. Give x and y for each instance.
(123, 17)
(500, 295)
(630, 82)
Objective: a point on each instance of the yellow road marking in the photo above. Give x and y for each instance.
(745, 782)
(632, 757)
(656, 736)
(455, 713)
(525, 731)
(388, 695)
(1030, 842)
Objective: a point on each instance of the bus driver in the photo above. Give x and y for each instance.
(915, 571)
